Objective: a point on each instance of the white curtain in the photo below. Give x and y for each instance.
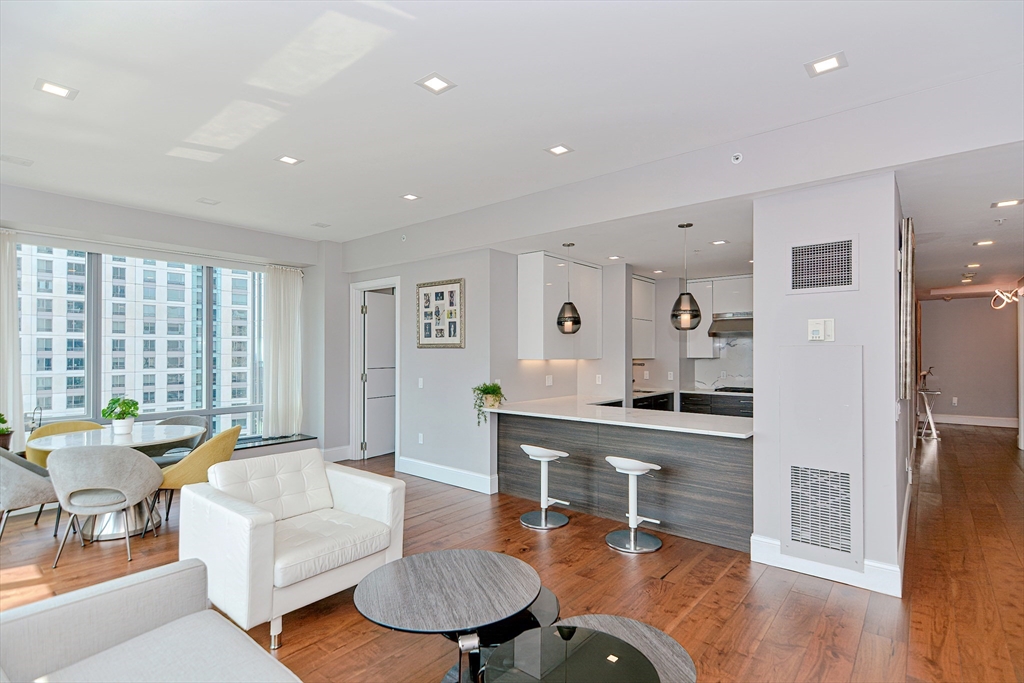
(282, 402)
(10, 350)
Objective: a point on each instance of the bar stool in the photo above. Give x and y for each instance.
(633, 541)
(543, 519)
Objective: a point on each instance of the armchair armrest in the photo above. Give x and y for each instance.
(236, 541)
(90, 620)
(370, 495)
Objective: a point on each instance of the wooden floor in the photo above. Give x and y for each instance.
(962, 617)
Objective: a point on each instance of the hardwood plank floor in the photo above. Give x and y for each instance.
(961, 617)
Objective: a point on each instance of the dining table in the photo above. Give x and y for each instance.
(111, 526)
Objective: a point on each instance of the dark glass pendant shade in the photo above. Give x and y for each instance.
(686, 312)
(569, 319)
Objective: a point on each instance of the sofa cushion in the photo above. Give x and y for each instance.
(285, 484)
(203, 646)
(320, 541)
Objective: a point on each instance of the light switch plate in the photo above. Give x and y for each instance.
(597, 379)
(420, 437)
(421, 382)
(548, 380)
(647, 374)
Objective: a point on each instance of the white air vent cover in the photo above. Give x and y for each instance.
(823, 266)
(819, 502)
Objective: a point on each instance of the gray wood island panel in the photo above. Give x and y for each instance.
(704, 490)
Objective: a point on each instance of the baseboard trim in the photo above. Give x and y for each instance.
(339, 453)
(877, 576)
(448, 475)
(976, 420)
(33, 510)
(906, 519)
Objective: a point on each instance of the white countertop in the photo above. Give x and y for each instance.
(582, 409)
(720, 393)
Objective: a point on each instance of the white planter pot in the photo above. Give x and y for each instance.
(124, 426)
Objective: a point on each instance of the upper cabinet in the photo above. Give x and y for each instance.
(698, 343)
(542, 291)
(733, 294)
(643, 318)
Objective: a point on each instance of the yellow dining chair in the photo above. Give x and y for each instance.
(37, 456)
(192, 468)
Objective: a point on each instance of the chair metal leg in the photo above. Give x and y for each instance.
(56, 522)
(3, 522)
(170, 497)
(39, 514)
(149, 520)
(71, 523)
(77, 528)
(127, 542)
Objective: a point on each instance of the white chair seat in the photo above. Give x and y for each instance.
(543, 454)
(319, 541)
(630, 466)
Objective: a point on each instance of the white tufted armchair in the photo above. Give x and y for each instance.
(283, 531)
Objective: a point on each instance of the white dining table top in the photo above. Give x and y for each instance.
(143, 434)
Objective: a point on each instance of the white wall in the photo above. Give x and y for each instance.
(974, 350)
(867, 207)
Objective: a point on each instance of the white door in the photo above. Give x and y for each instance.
(378, 374)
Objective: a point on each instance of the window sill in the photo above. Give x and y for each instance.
(258, 441)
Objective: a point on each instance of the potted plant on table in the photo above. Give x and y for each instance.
(486, 396)
(122, 411)
(5, 433)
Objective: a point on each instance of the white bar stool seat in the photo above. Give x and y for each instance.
(542, 519)
(632, 540)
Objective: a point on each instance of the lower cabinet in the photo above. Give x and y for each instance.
(656, 402)
(717, 404)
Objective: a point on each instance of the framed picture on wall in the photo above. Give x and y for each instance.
(440, 314)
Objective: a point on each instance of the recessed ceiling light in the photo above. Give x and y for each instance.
(658, 271)
(16, 160)
(614, 258)
(561, 265)
(1005, 203)
(966, 279)
(321, 225)
(973, 265)
(612, 658)
(54, 89)
(559, 150)
(410, 197)
(968, 274)
(435, 83)
(984, 243)
(826, 64)
(291, 161)
(207, 200)
(718, 242)
(751, 260)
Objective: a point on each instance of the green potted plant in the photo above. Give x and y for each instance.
(486, 396)
(5, 433)
(122, 411)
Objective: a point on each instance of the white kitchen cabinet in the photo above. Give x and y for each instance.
(542, 291)
(643, 338)
(698, 343)
(733, 294)
(643, 299)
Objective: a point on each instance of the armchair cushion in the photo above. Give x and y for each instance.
(287, 485)
(320, 541)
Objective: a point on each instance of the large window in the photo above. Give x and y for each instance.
(148, 337)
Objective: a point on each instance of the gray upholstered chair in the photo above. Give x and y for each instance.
(96, 480)
(23, 485)
(170, 454)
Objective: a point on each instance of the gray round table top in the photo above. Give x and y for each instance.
(447, 591)
(670, 659)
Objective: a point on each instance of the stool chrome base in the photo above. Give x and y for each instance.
(632, 541)
(543, 519)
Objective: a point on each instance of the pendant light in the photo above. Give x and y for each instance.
(568, 317)
(686, 312)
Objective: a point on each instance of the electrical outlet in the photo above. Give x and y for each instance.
(722, 374)
(955, 401)
(597, 379)
(421, 382)
(647, 374)
(671, 376)
(419, 437)
(548, 380)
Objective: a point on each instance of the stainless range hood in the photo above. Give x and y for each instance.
(739, 324)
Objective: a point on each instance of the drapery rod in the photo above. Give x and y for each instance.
(162, 251)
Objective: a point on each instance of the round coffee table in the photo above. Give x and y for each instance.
(569, 654)
(449, 592)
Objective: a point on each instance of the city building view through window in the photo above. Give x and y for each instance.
(176, 337)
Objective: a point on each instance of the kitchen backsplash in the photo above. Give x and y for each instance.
(736, 361)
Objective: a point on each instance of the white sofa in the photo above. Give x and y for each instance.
(282, 531)
(154, 625)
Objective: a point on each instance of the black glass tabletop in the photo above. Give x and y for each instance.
(568, 654)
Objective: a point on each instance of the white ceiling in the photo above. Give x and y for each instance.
(623, 83)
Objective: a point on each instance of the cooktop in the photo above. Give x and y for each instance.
(738, 390)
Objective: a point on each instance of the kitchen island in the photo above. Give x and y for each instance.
(704, 490)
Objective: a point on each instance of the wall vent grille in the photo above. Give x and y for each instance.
(820, 508)
(829, 264)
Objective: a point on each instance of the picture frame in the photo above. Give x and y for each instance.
(441, 314)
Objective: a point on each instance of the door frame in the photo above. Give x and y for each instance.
(356, 290)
